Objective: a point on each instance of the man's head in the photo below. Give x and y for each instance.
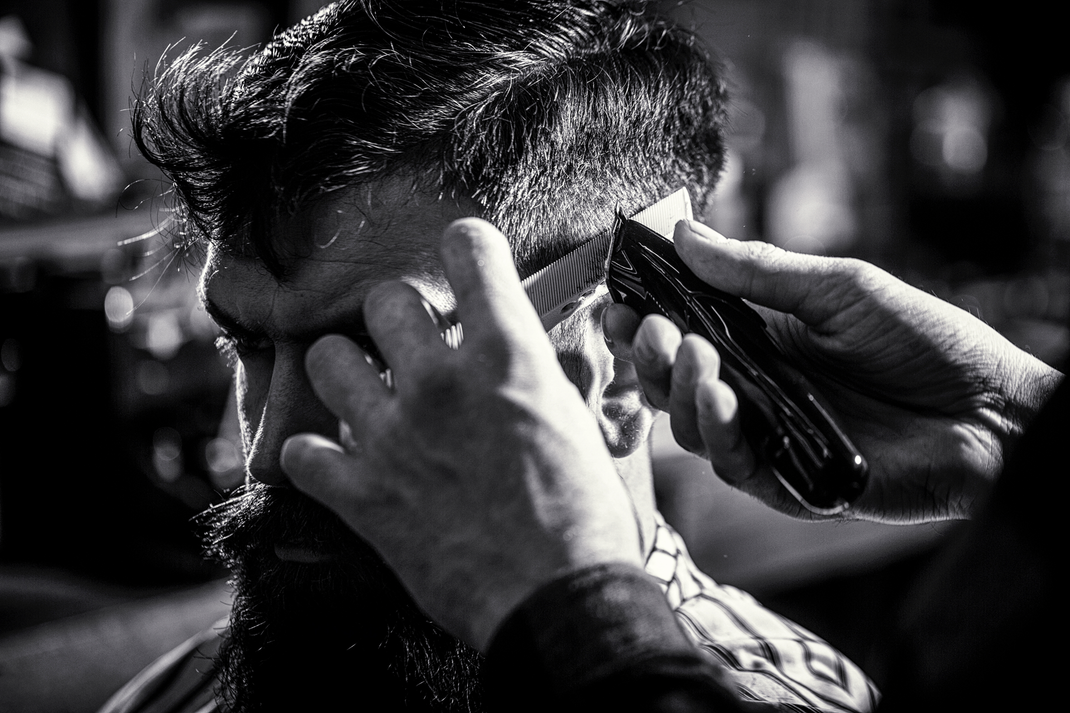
(549, 115)
(331, 160)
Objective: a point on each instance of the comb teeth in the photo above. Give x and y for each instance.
(561, 287)
(586, 265)
(663, 215)
(453, 336)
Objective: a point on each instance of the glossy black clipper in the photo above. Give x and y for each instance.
(781, 418)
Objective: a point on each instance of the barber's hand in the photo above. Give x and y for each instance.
(930, 395)
(481, 475)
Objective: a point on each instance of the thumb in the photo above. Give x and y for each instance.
(764, 274)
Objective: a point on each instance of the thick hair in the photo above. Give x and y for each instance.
(552, 115)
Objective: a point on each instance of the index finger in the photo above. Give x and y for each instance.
(344, 381)
(479, 267)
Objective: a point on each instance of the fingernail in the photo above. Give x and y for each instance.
(345, 438)
(602, 319)
(466, 226)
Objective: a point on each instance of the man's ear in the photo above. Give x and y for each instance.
(609, 385)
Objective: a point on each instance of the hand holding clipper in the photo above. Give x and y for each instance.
(781, 418)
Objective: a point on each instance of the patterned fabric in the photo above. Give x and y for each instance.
(770, 658)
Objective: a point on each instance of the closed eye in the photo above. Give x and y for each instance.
(235, 340)
(235, 347)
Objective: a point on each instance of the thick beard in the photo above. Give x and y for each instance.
(335, 635)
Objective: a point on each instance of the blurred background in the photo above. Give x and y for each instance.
(931, 137)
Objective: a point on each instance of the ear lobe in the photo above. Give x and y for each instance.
(608, 385)
(622, 412)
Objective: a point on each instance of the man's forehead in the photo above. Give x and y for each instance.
(344, 245)
(386, 223)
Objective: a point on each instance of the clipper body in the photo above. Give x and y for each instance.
(780, 416)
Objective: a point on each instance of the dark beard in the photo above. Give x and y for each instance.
(341, 635)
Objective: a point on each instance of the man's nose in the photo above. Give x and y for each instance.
(290, 407)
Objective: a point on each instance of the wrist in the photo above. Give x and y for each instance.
(585, 622)
(495, 602)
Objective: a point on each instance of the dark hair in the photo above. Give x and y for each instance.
(551, 115)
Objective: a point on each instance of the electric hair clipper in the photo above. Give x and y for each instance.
(780, 416)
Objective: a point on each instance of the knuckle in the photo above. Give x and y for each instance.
(859, 272)
(850, 280)
(436, 391)
(772, 260)
(762, 261)
(764, 252)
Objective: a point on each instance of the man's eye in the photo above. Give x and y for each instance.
(235, 347)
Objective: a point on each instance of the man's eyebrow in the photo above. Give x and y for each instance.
(353, 327)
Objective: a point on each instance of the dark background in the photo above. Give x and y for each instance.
(931, 137)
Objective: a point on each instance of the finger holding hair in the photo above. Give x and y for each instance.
(401, 323)
(344, 381)
(490, 300)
